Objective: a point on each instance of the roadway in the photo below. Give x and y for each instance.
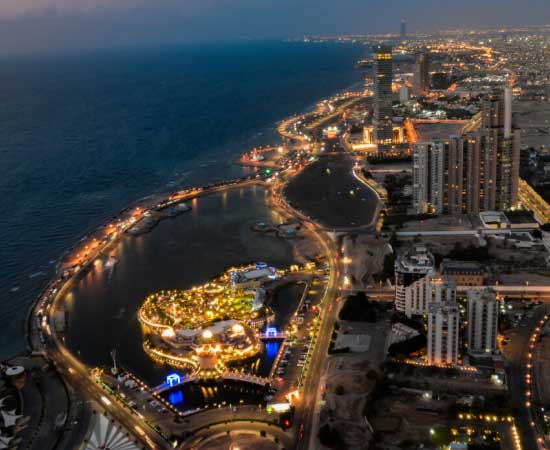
(307, 406)
(516, 371)
(78, 376)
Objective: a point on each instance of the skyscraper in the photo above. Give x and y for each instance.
(382, 110)
(421, 73)
(482, 321)
(428, 172)
(478, 171)
(501, 149)
(443, 332)
(403, 30)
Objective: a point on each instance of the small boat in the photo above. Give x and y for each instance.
(178, 209)
(111, 262)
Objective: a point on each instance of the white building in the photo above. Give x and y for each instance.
(413, 272)
(443, 325)
(482, 321)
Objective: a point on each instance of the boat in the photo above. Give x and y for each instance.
(178, 209)
(110, 263)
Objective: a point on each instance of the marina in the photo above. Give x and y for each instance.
(162, 255)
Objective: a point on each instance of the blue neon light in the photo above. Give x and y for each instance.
(271, 350)
(271, 331)
(175, 398)
(173, 379)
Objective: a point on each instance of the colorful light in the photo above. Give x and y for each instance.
(173, 379)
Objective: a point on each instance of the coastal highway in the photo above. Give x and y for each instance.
(307, 407)
(308, 411)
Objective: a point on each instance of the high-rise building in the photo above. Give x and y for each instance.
(428, 177)
(501, 149)
(482, 321)
(382, 108)
(443, 332)
(421, 73)
(478, 171)
(413, 272)
(403, 29)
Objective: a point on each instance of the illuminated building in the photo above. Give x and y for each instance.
(443, 325)
(501, 148)
(478, 171)
(413, 272)
(421, 77)
(482, 321)
(398, 135)
(382, 117)
(428, 178)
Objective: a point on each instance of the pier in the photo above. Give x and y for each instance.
(230, 376)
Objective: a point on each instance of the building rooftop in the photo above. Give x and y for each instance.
(493, 218)
(486, 294)
(430, 130)
(417, 260)
(520, 217)
(449, 266)
(443, 307)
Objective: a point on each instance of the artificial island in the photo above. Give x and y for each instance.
(206, 328)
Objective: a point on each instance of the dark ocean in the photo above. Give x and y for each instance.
(84, 135)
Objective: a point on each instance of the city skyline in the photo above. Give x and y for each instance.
(58, 25)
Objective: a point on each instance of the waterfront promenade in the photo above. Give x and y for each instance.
(44, 337)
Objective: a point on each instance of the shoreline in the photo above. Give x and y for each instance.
(233, 160)
(43, 337)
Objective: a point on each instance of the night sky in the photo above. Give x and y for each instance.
(41, 25)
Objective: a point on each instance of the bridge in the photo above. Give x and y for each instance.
(233, 376)
(273, 336)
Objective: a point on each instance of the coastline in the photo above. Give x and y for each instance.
(163, 196)
(42, 335)
(142, 152)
